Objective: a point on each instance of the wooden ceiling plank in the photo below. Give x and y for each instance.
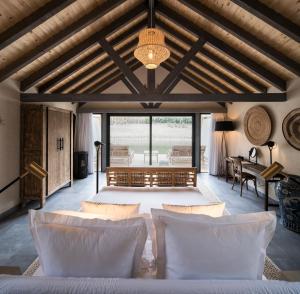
(88, 83)
(244, 36)
(193, 81)
(112, 78)
(68, 72)
(92, 69)
(208, 67)
(248, 63)
(72, 53)
(129, 75)
(149, 97)
(169, 80)
(30, 22)
(56, 39)
(271, 17)
(229, 68)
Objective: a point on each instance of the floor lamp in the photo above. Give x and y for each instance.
(34, 169)
(98, 145)
(223, 126)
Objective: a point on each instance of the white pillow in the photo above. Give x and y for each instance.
(70, 246)
(193, 246)
(111, 211)
(211, 209)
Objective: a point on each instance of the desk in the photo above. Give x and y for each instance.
(255, 169)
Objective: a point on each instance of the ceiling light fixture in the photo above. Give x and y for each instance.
(151, 49)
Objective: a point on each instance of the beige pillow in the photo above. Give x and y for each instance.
(110, 210)
(211, 209)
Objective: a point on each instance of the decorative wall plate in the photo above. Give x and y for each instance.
(291, 128)
(257, 125)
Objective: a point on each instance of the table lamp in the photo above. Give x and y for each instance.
(272, 171)
(32, 168)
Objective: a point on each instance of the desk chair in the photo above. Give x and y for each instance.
(243, 177)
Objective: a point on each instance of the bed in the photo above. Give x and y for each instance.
(153, 197)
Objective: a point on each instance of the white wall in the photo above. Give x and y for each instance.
(284, 153)
(9, 143)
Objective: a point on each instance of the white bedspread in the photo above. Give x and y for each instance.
(43, 285)
(153, 197)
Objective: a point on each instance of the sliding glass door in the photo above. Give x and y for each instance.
(205, 139)
(129, 140)
(172, 142)
(156, 140)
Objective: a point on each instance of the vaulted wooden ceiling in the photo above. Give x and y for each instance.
(85, 46)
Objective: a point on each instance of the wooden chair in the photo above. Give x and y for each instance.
(243, 177)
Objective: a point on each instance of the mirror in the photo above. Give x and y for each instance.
(253, 152)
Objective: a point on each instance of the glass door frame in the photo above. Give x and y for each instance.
(200, 136)
(150, 115)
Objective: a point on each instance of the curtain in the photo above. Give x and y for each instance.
(216, 154)
(84, 137)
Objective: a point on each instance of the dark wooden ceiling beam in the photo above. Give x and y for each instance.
(203, 83)
(92, 69)
(77, 66)
(56, 39)
(129, 75)
(128, 85)
(151, 105)
(226, 66)
(202, 74)
(168, 82)
(187, 77)
(208, 67)
(150, 97)
(81, 47)
(87, 84)
(112, 78)
(234, 54)
(30, 22)
(244, 36)
(271, 17)
(193, 82)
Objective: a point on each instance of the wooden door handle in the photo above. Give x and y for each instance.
(58, 143)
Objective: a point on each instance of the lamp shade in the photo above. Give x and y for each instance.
(224, 126)
(151, 49)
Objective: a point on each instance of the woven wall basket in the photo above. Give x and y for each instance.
(257, 125)
(291, 128)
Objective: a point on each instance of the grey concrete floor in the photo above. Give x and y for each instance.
(17, 248)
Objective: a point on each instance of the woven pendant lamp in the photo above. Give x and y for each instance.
(151, 49)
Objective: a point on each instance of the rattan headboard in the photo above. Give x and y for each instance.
(152, 176)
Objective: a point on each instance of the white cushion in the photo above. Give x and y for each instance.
(70, 246)
(193, 246)
(111, 211)
(211, 209)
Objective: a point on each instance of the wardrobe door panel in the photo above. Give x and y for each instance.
(66, 168)
(53, 150)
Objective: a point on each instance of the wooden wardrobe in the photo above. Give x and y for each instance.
(46, 138)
